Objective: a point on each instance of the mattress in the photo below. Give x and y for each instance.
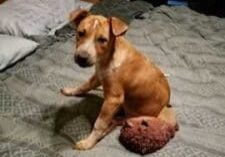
(36, 120)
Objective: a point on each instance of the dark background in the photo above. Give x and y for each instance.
(210, 7)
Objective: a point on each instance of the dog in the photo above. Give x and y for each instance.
(130, 81)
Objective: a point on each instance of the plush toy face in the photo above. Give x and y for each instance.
(145, 134)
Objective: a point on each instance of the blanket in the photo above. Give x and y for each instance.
(36, 120)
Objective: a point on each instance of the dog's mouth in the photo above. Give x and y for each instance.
(83, 62)
(84, 65)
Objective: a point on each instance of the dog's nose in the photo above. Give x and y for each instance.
(82, 61)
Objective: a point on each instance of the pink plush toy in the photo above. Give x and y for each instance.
(145, 134)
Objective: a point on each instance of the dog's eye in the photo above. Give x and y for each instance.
(144, 123)
(101, 40)
(80, 34)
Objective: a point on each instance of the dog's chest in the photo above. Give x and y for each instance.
(112, 68)
(105, 72)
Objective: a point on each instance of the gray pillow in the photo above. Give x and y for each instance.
(35, 17)
(14, 48)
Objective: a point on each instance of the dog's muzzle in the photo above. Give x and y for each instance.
(82, 61)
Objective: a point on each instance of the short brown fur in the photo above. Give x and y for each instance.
(130, 80)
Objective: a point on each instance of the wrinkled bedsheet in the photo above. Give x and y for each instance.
(36, 120)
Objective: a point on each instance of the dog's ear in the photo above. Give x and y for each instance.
(77, 15)
(118, 26)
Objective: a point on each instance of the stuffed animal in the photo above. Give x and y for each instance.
(145, 134)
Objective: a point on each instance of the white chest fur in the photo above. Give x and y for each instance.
(117, 60)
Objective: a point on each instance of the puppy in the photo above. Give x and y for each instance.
(130, 81)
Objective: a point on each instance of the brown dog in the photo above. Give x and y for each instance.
(128, 78)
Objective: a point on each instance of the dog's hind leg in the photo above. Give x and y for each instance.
(168, 115)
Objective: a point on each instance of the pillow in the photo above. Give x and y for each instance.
(35, 17)
(14, 48)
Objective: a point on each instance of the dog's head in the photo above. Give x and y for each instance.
(95, 36)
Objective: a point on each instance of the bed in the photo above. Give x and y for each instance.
(36, 120)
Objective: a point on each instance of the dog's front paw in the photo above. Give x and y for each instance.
(67, 91)
(83, 145)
